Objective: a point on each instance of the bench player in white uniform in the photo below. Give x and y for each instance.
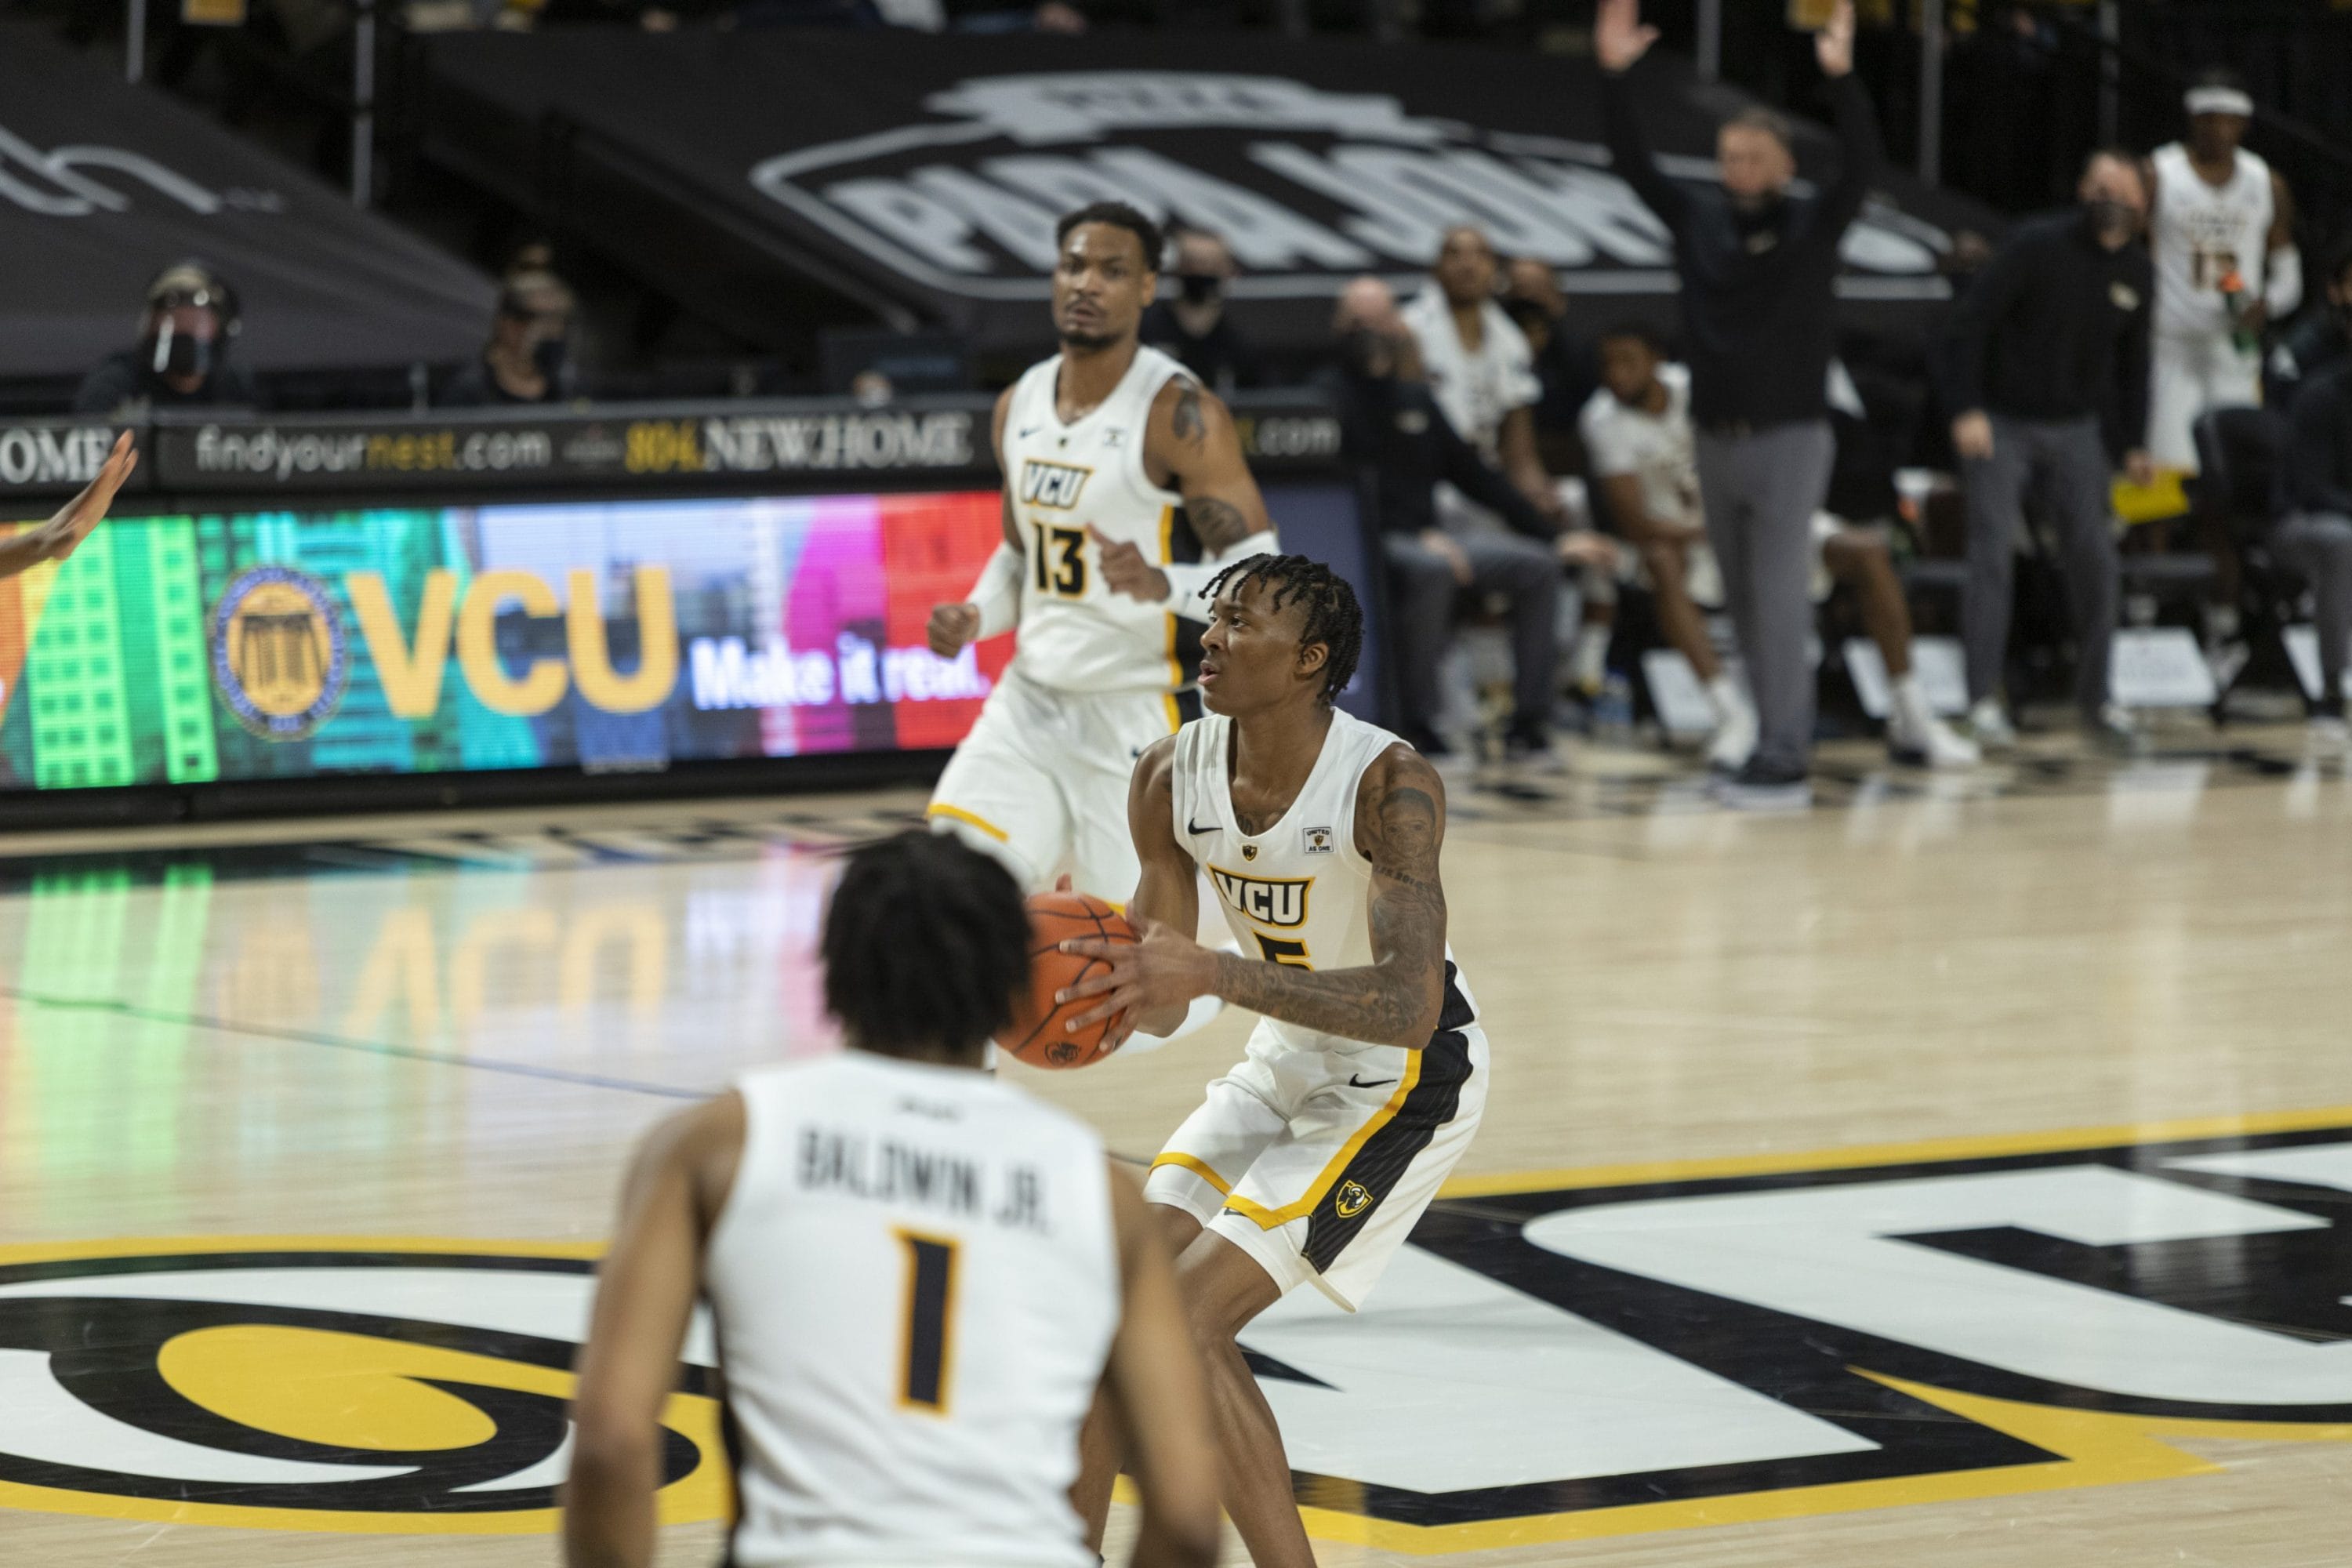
(1125, 491)
(1364, 1081)
(918, 1277)
(2220, 212)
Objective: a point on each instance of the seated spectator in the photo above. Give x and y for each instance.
(528, 359)
(1393, 429)
(2317, 537)
(1193, 327)
(1640, 441)
(182, 359)
(2321, 339)
(1479, 367)
(1563, 361)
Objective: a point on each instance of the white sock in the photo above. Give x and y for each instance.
(1908, 704)
(1590, 665)
(1725, 694)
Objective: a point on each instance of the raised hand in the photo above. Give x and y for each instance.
(62, 535)
(1833, 45)
(1619, 38)
(1125, 571)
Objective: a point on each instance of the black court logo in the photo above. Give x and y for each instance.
(290, 1384)
(1351, 1199)
(278, 653)
(1940, 1323)
(1279, 902)
(1054, 485)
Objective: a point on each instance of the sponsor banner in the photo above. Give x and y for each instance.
(57, 457)
(705, 447)
(926, 177)
(602, 634)
(422, 453)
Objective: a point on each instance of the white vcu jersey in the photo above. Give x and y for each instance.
(1075, 634)
(915, 1282)
(1316, 1154)
(2202, 234)
(1300, 893)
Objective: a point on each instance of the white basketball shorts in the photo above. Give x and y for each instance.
(1319, 1163)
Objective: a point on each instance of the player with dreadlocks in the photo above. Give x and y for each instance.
(1364, 1081)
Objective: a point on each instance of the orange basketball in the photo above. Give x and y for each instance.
(1036, 1034)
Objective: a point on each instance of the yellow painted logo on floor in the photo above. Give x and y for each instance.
(1572, 1355)
(365, 1384)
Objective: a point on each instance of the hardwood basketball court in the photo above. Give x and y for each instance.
(1950, 1175)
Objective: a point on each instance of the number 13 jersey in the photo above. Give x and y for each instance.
(1076, 635)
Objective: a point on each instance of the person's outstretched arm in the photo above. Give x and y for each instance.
(62, 535)
(1861, 156)
(1620, 39)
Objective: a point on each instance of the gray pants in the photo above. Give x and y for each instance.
(2319, 545)
(1425, 589)
(2064, 462)
(1760, 492)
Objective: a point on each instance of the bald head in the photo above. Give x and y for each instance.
(1366, 305)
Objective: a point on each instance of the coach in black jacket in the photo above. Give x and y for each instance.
(2049, 348)
(1757, 265)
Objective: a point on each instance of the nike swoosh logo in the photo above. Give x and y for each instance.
(1024, 434)
(1197, 827)
(1355, 1083)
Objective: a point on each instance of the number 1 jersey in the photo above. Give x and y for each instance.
(915, 1283)
(1076, 635)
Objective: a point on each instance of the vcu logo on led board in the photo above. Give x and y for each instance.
(1054, 485)
(279, 652)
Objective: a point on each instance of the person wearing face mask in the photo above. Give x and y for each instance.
(528, 359)
(1393, 432)
(1758, 264)
(2051, 344)
(182, 359)
(1192, 327)
(2321, 339)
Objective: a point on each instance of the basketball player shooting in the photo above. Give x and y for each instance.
(919, 1276)
(63, 533)
(1125, 492)
(1366, 1076)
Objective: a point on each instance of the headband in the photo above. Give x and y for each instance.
(2220, 101)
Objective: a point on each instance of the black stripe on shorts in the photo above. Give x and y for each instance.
(1349, 1205)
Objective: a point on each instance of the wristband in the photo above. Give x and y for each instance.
(997, 594)
(1188, 581)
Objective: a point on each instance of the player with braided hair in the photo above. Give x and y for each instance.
(1309, 1161)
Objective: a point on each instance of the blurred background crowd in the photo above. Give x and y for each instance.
(1539, 461)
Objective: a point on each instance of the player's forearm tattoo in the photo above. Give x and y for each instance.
(1186, 421)
(1385, 1002)
(1219, 525)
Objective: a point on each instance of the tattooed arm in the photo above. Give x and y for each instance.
(1395, 1000)
(1191, 446)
